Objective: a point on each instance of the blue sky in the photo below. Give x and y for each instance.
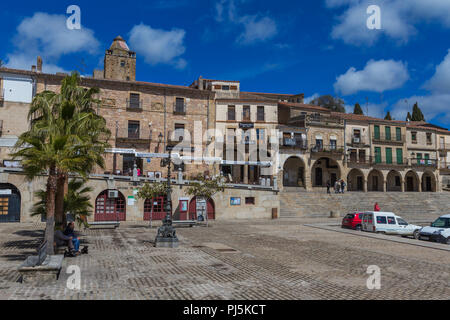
(311, 47)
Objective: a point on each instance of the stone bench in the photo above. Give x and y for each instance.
(184, 223)
(114, 224)
(42, 267)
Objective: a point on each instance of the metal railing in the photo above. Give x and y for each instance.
(327, 149)
(444, 146)
(144, 134)
(368, 160)
(423, 162)
(389, 138)
(294, 143)
(444, 165)
(318, 119)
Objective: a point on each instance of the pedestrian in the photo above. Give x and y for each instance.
(337, 187)
(343, 185)
(376, 207)
(328, 187)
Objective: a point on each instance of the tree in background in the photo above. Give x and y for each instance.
(330, 102)
(357, 109)
(388, 116)
(417, 114)
(151, 191)
(408, 117)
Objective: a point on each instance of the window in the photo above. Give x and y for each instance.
(179, 132)
(246, 113)
(389, 155)
(319, 144)
(133, 129)
(429, 136)
(231, 113)
(401, 222)
(391, 220)
(441, 223)
(250, 200)
(377, 132)
(377, 154)
(399, 156)
(4, 203)
(260, 134)
(227, 88)
(128, 164)
(388, 133)
(381, 220)
(357, 135)
(179, 105)
(414, 137)
(398, 134)
(122, 63)
(398, 181)
(260, 114)
(333, 144)
(134, 102)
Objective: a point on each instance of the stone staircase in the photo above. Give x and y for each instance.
(412, 206)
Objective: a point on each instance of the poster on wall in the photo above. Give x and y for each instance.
(235, 201)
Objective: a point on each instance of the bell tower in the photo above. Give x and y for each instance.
(120, 61)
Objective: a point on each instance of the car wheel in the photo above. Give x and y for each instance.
(416, 235)
(358, 228)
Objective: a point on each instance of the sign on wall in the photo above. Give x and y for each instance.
(235, 201)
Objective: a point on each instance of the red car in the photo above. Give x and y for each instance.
(352, 221)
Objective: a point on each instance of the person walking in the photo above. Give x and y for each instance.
(343, 185)
(376, 207)
(328, 187)
(337, 187)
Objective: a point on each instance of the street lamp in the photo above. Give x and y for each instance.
(166, 236)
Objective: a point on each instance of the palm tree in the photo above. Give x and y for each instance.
(76, 202)
(66, 136)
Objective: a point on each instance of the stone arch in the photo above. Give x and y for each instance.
(210, 207)
(394, 181)
(428, 182)
(375, 181)
(355, 180)
(411, 181)
(10, 203)
(294, 172)
(110, 209)
(323, 170)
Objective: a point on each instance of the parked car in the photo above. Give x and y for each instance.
(352, 221)
(439, 230)
(388, 223)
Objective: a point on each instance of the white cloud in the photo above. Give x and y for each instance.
(440, 82)
(47, 35)
(257, 29)
(377, 76)
(158, 46)
(311, 98)
(398, 19)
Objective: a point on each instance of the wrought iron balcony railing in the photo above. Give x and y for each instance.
(327, 149)
(393, 138)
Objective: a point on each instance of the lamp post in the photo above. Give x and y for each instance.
(166, 236)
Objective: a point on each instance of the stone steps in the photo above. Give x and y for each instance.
(412, 205)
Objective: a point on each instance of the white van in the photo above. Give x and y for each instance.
(388, 223)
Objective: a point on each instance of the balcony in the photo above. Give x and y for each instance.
(444, 147)
(134, 105)
(444, 166)
(394, 139)
(327, 149)
(358, 142)
(394, 162)
(132, 137)
(432, 163)
(294, 143)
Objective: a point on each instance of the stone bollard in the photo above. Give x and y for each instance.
(334, 214)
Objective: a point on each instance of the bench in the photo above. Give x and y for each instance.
(114, 224)
(41, 267)
(184, 223)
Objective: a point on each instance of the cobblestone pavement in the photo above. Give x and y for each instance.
(280, 259)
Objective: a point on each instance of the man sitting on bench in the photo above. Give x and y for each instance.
(62, 240)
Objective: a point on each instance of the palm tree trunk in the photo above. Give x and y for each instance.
(51, 194)
(62, 187)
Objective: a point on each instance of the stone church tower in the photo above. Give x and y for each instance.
(120, 61)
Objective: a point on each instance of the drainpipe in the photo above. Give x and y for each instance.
(345, 141)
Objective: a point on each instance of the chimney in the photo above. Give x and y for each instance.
(200, 83)
(39, 64)
(33, 68)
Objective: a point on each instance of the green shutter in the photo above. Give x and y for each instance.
(388, 133)
(388, 155)
(377, 132)
(399, 134)
(377, 154)
(427, 159)
(399, 156)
